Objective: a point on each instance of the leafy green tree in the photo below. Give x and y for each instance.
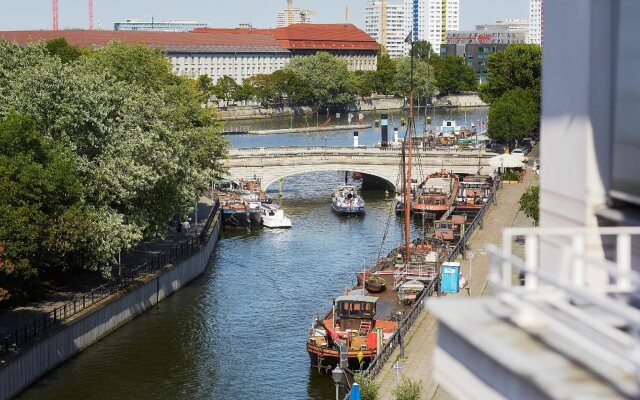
(403, 78)
(244, 92)
(295, 88)
(327, 77)
(423, 51)
(225, 88)
(519, 66)
(264, 89)
(530, 203)
(362, 83)
(42, 218)
(385, 75)
(205, 87)
(63, 50)
(142, 145)
(369, 388)
(454, 76)
(514, 115)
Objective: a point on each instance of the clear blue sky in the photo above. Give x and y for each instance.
(36, 14)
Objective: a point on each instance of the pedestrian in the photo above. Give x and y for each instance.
(186, 226)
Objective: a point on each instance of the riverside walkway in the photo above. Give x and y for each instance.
(422, 337)
(16, 318)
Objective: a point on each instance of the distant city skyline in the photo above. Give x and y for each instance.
(36, 14)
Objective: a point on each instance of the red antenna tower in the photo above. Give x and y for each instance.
(90, 15)
(55, 15)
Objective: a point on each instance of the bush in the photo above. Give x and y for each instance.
(369, 389)
(408, 389)
(511, 176)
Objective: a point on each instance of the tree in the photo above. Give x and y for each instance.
(264, 89)
(423, 51)
(519, 66)
(454, 76)
(408, 389)
(42, 219)
(225, 88)
(139, 140)
(63, 50)
(514, 115)
(363, 82)
(402, 78)
(385, 74)
(530, 203)
(327, 77)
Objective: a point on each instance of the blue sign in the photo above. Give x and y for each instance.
(384, 122)
(450, 277)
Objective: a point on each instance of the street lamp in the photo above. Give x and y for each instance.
(336, 374)
(470, 255)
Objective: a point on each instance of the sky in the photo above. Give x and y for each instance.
(36, 14)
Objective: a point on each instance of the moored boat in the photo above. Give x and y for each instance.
(473, 192)
(347, 201)
(273, 216)
(353, 328)
(410, 290)
(435, 196)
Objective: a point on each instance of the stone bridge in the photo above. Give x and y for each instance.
(272, 163)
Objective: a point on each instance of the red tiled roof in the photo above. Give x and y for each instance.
(85, 38)
(310, 36)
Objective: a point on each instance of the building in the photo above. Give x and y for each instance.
(343, 41)
(386, 24)
(536, 21)
(298, 16)
(443, 17)
(239, 53)
(570, 330)
(476, 46)
(171, 26)
(416, 19)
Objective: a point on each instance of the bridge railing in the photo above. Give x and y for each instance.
(351, 149)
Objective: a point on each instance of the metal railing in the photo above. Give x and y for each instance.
(582, 297)
(352, 149)
(44, 324)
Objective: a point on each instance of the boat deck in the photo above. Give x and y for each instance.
(388, 307)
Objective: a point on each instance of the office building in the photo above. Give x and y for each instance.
(157, 26)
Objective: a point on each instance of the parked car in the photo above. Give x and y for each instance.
(519, 151)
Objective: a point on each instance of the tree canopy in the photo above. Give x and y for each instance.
(135, 144)
(454, 76)
(530, 203)
(518, 66)
(514, 115)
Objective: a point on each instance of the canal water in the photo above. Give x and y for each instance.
(239, 331)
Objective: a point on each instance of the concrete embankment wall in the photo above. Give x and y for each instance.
(24, 368)
(378, 103)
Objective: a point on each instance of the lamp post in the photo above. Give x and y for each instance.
(470, 255)
(336, 374)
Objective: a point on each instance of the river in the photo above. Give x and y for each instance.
(239, 331)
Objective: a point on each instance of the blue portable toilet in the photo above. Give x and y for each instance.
(450, 281)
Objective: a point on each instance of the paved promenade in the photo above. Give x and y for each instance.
(421, 339)
(16, 318)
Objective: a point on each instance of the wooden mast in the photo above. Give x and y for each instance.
(407, 192)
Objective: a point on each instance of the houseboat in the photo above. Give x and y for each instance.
(435, 197)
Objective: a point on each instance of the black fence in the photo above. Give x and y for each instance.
(43, 324)
(460, 248)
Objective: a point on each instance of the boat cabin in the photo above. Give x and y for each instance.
(352, 310)
(444, 229)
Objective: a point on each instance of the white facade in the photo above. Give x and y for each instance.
(415, 20)
(390, 34)
(153, 26)
(443, 16)
(536, 21)
(298, 16)
(217, 64)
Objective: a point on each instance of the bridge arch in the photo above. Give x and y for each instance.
(272, 176)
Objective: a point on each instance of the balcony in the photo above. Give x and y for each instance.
(562, 323)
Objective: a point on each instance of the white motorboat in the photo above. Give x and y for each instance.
(273, 216)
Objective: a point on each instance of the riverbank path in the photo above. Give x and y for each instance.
(16, 318)
(422, 337)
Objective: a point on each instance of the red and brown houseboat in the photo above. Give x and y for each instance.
(473, 192)
(436, 195)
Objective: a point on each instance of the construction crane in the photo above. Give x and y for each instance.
(304, 14)
(346, 13)
(289, 12)
(55, 15)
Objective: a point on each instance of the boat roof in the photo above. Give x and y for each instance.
(357, 297)
(270, 206)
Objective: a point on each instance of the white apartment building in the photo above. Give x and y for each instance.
(415, 19)
(386, 23)
(298, 16)
(443, 16)
(536, 21)
(157, 26)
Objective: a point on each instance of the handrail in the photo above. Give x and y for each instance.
(44, 324)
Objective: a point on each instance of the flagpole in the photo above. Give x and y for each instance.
(407, 194)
